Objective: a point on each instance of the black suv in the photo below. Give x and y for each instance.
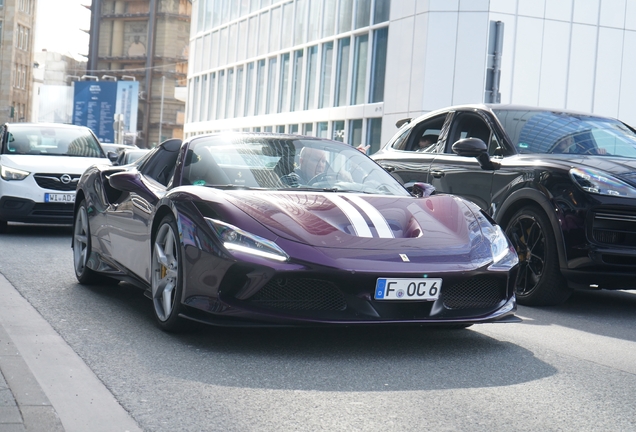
(561, 183)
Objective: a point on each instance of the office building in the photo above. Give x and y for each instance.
(350, 69)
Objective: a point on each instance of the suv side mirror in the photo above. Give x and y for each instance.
(474, 147)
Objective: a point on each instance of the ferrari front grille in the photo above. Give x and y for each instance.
(60, 182)
(475, 293)
(300, 294)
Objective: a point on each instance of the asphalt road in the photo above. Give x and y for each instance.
(569, 368)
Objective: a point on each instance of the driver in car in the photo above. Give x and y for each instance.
(311, 162)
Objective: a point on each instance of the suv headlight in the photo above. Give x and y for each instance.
(598, 182)
(13, 173)
(235, 239)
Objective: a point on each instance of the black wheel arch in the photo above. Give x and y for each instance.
(532, 197)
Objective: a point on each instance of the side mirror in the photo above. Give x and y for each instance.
(470, 147)
(126, 181)
(420, 189)
(112, 156)
(130, 181)
(474, 147)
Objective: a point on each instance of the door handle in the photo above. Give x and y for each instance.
(437, 174)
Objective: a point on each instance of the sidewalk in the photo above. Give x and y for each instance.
(44, 385)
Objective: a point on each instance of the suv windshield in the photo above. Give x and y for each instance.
(564, 133)
(49, 140)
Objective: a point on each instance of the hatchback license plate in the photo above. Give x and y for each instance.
(408, 289)
(59, 197)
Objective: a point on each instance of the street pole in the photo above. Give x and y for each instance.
(163, 88)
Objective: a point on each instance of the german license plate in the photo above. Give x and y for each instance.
(408, 289)
(59, 197)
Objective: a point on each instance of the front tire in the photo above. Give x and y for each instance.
(166, 275)
(539, 280)
(82, 249)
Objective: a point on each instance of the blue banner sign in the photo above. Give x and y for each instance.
(97, 102)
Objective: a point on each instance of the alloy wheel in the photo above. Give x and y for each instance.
(165, 271)
(528, 238)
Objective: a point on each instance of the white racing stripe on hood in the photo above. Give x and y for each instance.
(357, 220)
(381, 225)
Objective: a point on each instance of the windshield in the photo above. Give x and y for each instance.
(49, 140)
(564, 133)
(284, 163)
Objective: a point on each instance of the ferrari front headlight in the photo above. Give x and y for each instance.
(237, 240)
(13, 173)
(599, 182)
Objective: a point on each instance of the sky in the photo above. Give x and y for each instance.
(59, 25)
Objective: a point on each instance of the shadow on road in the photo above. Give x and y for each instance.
(605, 313)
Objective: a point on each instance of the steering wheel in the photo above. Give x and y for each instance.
(319, 178)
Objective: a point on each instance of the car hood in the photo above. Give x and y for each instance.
(623, 168)
(51, 164)
(358, 221)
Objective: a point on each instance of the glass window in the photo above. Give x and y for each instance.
(198, 57)
(232, 44)
(374, 134)
(363, 13)
(211, 96)
(214, 53)
(229, 99)
(308, 129)
(381, 11)
(254, 5)
(223, 46)
(378, 66)
(200, 16)
(359, 69)
(355, 132)
(342, 71)
(204, 92)
(260, 88)
(263, 33)
(283, 104)
(272, 96)
(227, 4)
(322, 129)
(245, 7)
(207, 40)
(296, 80)
(310, 79)
(252, 32)
(238, 105)
(325, 75)
(293, 129)
(216, 15)
(300, 28)
(338, 130)
(242, 41)
(267, 129)
(313, 23)
(345, 16)
(249, 89)
(329, 18)
(280, 129)
(195, 101)
(274, 33)
(208, 15)
(220, 96)
(288, 23)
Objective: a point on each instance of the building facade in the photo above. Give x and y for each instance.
(146, 40)
(17, 18)
(350, 69)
